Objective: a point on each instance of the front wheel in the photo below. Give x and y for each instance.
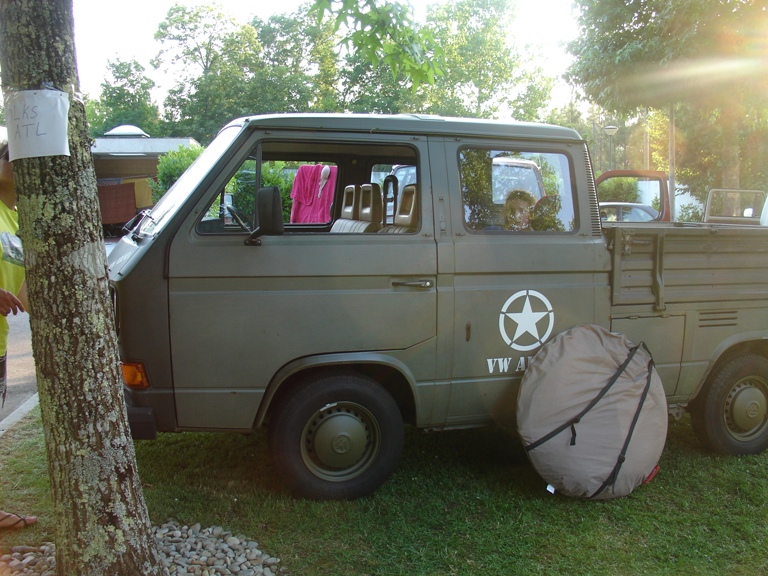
(730, 415)
(338, 436)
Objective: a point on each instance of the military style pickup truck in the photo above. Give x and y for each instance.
(271, 286)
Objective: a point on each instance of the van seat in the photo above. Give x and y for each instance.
(366, 206)
(350, 208)
(407, 215)
(371, 206)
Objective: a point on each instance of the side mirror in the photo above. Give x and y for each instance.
(269, 213)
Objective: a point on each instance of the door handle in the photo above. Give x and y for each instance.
(414, 283)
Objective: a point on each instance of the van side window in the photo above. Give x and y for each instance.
(516, 191)
(338, 186)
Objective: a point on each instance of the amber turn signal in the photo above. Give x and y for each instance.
(134, 375)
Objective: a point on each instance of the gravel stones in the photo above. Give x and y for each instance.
(184, 551)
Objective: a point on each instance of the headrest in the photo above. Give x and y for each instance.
(545, 214)
(350, 206)
(407, 208)
(371, 203)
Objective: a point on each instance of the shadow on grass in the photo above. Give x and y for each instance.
(446, 483)
(467, 501)
(212, 465)
(460, 502)
(215, 464)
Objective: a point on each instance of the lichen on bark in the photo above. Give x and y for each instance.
(102, 522)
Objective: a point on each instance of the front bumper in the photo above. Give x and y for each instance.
(142, 423)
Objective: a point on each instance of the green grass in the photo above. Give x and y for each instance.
(465, 502)
(24, 487)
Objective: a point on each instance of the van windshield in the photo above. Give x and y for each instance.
(169, 204)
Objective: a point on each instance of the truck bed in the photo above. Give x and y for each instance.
(660, 265)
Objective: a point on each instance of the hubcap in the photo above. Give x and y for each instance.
(340, 441)
(746, 408)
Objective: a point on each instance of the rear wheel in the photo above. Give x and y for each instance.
(337, 436)
(730, 415)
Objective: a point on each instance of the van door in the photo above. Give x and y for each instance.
(528, 264)
(323, 293)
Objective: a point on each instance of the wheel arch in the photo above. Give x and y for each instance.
(729, 414)
(390, 373)
(739, 345)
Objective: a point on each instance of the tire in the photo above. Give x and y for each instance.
(336, 437)
(730, 415)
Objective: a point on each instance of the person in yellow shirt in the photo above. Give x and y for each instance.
(13, 290)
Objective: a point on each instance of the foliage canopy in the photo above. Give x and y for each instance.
(638, 53)
(339, 56)
(707, 59)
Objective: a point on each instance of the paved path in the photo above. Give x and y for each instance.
(22, 381)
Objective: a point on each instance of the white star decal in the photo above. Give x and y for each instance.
(527, 320)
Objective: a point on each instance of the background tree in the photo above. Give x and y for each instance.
(619, 190)
(193, 37)
(300, 63)
(213, 58)
(102, 526)
(482, 76)
(366, 88)
(590, 125)
(466, 65)
(318, 61)
(698, 55)
(570, 116)
(126, 98)
(170, 167)
(287, 64)
(220, 94)
(385, 34)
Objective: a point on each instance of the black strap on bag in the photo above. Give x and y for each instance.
(573, 421)
(613, 476)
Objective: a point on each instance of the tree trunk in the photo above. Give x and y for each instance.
(102, 525)
(731, 115)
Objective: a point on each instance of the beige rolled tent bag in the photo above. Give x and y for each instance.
(592, 413)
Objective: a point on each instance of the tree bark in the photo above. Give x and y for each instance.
(102, 524)
(731, 115)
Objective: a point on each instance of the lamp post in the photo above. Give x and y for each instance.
(610, 131)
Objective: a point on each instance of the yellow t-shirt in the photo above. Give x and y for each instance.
(11, 275)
